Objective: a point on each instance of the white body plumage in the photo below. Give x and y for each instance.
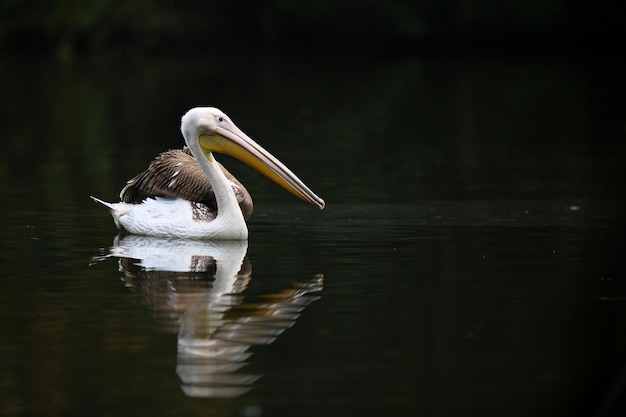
(175, 217)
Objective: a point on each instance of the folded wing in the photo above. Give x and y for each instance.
(176, 173)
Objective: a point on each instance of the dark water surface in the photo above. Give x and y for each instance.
(469, 260)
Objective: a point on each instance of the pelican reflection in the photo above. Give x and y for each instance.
(196, 288)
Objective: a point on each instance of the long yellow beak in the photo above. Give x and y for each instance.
(235, 143)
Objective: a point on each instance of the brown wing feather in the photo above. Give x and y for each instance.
(176, 173)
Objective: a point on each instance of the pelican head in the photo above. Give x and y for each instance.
(210, 130)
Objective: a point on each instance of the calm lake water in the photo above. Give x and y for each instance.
(469, 260)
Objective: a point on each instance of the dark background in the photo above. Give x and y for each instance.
(365, 27)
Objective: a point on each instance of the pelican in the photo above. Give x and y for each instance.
(188, 194)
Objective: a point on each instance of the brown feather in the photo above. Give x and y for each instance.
(176, 173)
